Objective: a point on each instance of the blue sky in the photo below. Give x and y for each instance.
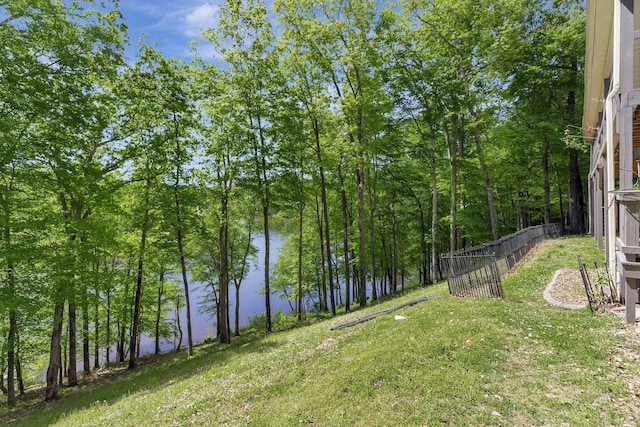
(171, 24)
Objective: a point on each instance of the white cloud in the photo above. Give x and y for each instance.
(172, 25)
(200, 18)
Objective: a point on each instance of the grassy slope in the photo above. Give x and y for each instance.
(455, 361)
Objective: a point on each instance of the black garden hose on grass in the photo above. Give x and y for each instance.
(387, 311)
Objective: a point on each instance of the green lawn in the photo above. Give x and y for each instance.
(452, 361)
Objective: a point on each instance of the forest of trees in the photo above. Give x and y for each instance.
(375, 136)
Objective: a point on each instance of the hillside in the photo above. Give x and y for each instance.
(517, 361)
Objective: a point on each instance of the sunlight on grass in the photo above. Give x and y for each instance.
(450, 360)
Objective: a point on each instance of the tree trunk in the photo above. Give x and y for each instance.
(576, 202)
(325, 216)
(179, 236)
(560, 200)
(53, 385)
(319, 286)
(345, 240)
(19, 376)
(13, 324)
(384, 266)
(138, 296)
(325, 211)
(223, 304)
(323, 288)
(582, 219)
(73, 341)
(546, 184)
(159, 309)
(236, 314)
(355, 279)
(576, 214)
(300, 234)
(123, 318)
(394, 248)
(267, 266)
(185, 281)
(263, 190)
(108, 329)
(122, 322)
(423, 269)
(452, 142)
(86, 349)
(178, 324)
(139, 336)
(485, 175)
(372, 208)
(237, 280)
(3, 360)
(11, 356)
(63, 366)
(362, 291)
(120, 342)
(434, 212)
(96, 330)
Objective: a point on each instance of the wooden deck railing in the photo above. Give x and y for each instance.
(628, 250)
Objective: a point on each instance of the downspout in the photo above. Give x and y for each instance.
(609, 111)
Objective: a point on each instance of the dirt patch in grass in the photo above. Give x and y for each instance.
(566, 289)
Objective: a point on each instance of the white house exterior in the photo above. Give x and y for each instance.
(611, 124)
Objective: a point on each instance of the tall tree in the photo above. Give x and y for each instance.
(68, 121)
(541, 55)
(309, 89)
(463, 30)
(168, 108)
(245, 40)
(177, 104)
(339, 36)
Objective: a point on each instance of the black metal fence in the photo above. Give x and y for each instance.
(602, 292)
(476, 271)
(474, 275)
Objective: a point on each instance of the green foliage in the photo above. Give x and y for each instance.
(479, 363)
(397, 122)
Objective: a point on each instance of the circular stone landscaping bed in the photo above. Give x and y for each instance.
(566, 290)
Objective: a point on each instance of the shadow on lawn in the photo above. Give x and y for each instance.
(107, 387)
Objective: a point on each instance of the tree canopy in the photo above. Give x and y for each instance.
(375, 136)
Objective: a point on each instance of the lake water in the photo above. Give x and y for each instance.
(252, 300)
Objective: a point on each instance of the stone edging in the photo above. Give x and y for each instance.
(551, 300)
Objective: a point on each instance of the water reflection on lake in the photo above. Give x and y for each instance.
(252, 300)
